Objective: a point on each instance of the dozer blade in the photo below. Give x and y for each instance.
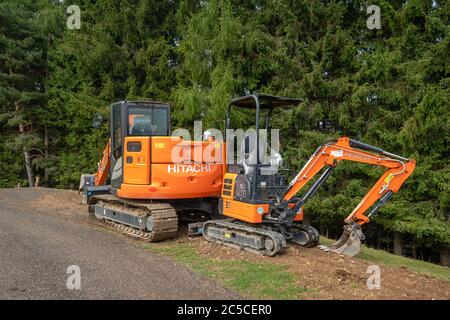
(349, 243)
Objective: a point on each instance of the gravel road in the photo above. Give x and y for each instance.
(40, 238)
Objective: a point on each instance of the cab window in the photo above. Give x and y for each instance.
(117, 130)
(148, 121)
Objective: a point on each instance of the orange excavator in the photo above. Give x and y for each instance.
(138, 188)
(244, 198)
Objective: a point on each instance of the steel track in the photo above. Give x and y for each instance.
(163, 215)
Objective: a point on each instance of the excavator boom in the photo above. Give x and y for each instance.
(398, 169)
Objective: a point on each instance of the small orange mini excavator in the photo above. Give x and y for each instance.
(247, 203)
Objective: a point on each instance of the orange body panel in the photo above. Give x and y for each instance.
(252, 213)
(151, 173)
(299, 215)
(248, 212)
(174, 149)
(137, 170)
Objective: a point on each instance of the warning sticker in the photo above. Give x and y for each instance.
(337, 153)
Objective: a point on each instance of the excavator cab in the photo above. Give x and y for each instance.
(253, 181)
(147, 178)
(253, 185)
(256, 163)
(142, 160)
(134, 119)
(127, 119)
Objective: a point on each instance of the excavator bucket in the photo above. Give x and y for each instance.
(349, 243)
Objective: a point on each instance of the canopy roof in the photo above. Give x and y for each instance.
(265, 101)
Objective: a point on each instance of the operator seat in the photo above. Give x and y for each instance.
(247, 156)
(143, 127)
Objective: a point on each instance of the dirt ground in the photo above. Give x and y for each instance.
(327, 275)
(333, 276)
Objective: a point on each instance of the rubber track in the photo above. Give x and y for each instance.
(232, 224)
(313, 233)
(165, 219)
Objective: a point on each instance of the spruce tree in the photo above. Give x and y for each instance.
(22, 71)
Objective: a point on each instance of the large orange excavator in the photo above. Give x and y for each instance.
(138, 188)
(243, 197)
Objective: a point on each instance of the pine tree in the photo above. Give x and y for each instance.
(22, 68)
(124, 50)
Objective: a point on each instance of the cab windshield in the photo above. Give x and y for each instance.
(148, 121)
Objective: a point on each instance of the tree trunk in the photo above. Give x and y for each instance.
(397, 239)
(445, 257)
(379, 242)
(26, 154)
(414, 250)
(28, 167)
(46, 176)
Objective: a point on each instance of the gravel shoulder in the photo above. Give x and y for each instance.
(44, 231)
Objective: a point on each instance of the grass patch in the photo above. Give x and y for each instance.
(265, 281)
(392, 260)
(418, 266)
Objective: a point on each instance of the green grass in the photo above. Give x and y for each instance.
(418, 266)
(256, 280)
(389, 259)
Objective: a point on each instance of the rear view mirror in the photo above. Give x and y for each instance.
(97, 120)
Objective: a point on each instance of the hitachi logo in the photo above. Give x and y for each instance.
(186, 168)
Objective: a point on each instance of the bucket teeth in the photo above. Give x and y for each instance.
(349, 243)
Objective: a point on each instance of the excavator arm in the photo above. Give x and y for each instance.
(99, 178)
(103, 166)
(398, 169)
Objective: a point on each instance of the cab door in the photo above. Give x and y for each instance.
(117, 140)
